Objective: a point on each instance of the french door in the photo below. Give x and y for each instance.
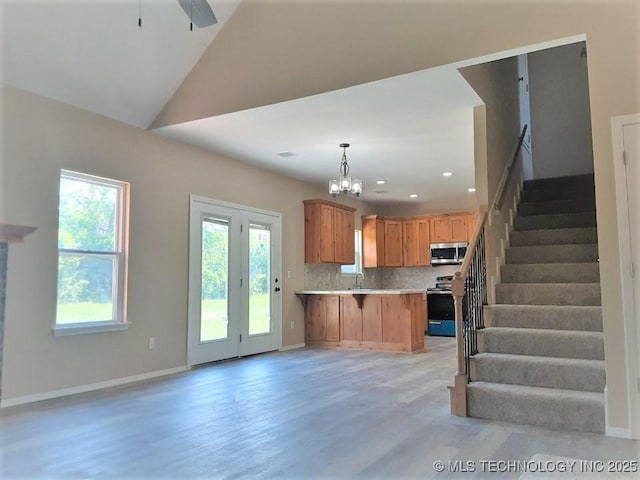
(234, 281)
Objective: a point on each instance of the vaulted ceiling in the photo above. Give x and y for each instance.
(273, 76)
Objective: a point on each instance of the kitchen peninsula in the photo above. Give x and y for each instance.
(366, 319)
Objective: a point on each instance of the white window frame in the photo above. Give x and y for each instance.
(355, 269)
(118, 258)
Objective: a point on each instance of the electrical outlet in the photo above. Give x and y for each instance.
(152, 343)
(292, 324)
(289, 274)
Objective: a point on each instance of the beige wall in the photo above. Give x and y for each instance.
(560, 116)
(499, 123)
(42, 136)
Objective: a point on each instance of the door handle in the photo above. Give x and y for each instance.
(277, 289)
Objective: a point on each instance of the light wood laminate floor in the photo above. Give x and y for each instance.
(307, 413)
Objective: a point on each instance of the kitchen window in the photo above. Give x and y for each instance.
(356, 268)
(92, 245)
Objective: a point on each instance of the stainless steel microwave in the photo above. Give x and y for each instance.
(448, 253)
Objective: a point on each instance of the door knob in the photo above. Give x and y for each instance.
(277, 289)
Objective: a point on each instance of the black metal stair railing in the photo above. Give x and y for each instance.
(474, 300)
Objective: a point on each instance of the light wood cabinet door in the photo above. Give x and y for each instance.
(424, 242)
(328, 232)
(326, 236)
(322, 318)
(471, 225)
(372, 242)
(440, 229)
(344, 238)
(372, 319)
(393, 243)
(458, 225)
(350, 319)
(410, 243)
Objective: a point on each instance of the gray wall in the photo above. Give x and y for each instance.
(560, 114)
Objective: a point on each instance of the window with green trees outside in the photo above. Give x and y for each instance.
(91, 250)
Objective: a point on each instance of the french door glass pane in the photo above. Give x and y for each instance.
(85, 287)
(259, 279)
(214, 307)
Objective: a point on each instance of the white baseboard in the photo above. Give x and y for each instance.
(284, 348)
(11, 402)
(618, 432)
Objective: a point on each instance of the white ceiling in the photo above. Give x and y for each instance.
(92, 54)
(406, 130)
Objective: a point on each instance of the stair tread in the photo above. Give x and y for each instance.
(509, 306)
(556, 393)
(545, 284)
(542, 331)
(512, 357)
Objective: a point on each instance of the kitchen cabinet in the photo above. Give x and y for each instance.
(416, 242)
(393, 243)
(322, 318)
(471, 225)
(328, 232)
(381, 320)
(373, 241)
(450, 228)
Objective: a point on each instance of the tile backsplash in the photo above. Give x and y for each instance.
(415, 277)
(327, 277)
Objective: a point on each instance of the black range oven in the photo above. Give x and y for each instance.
(440, 309)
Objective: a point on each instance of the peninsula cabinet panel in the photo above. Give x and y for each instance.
(372, 319)
(372, 241)
(322, 318)
(351, 319)
(328, 232)
(393, 245)
(395, 321)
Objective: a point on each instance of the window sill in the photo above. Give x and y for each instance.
(93, 327)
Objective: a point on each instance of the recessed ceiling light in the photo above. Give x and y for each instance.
(472, 189)
(381, 182)
(447, 174)
(413, 195)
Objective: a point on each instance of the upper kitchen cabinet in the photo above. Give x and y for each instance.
(328, 232)
(372, 241)
(393, 243)
(416, 239)
(451, 228)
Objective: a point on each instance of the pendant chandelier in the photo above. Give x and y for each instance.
(345, 184)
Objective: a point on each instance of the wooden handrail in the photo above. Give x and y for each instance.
(498, 199)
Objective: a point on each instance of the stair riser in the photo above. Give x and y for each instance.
(558, 346)
(577, 205)
(564, 415)
(586, 378)
(551, 273)
(585, 180)
(553, 318)
(549, 294)
(553, 254)
(567, 220)
(556, 236)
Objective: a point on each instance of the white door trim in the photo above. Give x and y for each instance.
(194, 283)
(629, 310)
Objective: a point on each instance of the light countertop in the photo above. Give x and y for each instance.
(364, 291)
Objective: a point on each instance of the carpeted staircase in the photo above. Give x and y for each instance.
(541, 359)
